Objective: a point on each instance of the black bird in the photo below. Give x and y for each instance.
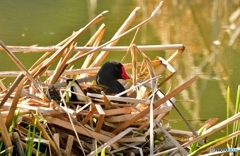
(106, 79)
(109, 74)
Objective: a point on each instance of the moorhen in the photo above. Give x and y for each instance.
(106, 79)
(109, 74)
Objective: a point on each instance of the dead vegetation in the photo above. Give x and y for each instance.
(99, 122)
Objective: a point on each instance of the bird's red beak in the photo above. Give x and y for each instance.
(124, 74)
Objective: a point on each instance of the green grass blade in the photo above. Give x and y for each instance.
(103, 152)
(31, 136)
(5, 150)
(209, 144)
(228, 106)
(39, 143)
(236, 125)
(194, 145)
(14, 122)
(28, 140)
(1, 145)
(237, 100)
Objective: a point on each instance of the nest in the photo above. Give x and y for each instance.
(133, 125)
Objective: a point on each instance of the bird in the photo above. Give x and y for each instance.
(109, 74)
(106, 81)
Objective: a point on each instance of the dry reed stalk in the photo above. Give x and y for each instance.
(97, 37)
(127, 51)
(122, 99)
(229, 137)
(134, 64)
(209, 123)
(160, 114)
(159, 71)
(46, 135)
(101, 117)
(22, 67)
(180, 133)
(50, 49)
(166, 63)
(185, 120)
(35, 67)
(62, 65)
(175, 55)
(110, 112)
(18, 145)
(153, 87)
(5, 113)
(130, 139)
(2, 86)
(14, 104)
(166, 79)
(89, 115)
(35, 102)
(214, 129)
(156, 104)
(111, 141)
(122, 29)
(180, 148)
(125, 115)
(6, 138)
(126, 146)
(92, 70)
(69, 144)
(107, 103)
(10, 91)
(56, 138)
(38, 63)
(44, 110)
(148, 64)
(118, 37)
(80, 130)
(46, 64)
(27, 94)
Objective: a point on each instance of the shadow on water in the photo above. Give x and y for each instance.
(208, 29)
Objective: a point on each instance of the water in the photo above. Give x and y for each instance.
(196, 24)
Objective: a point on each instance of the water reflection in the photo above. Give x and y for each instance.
(196, 24)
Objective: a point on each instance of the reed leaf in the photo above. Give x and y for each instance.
(39, 143)
(214, 143)
(193, 147)
(236, 125)
(228, 107)
(14, 121)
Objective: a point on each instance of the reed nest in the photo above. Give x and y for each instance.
(133, 125)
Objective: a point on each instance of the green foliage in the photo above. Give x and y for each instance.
(236, 125)
(30, 140)
(5, 150)
(103, 151)
(32, 132)
(14, 122)
(207, 145)
(39, 143)
(193, 147)
(228, 106)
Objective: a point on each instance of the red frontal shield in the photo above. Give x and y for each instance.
(124, 74)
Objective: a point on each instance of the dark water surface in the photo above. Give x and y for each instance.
(196, 24)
